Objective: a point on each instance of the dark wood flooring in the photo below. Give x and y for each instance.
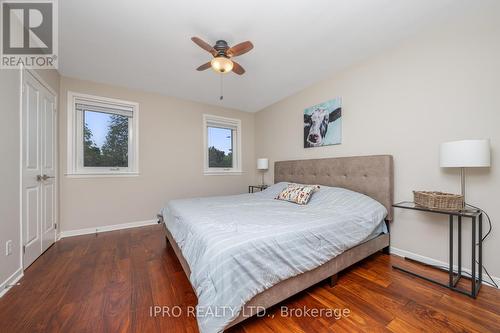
(108, 283)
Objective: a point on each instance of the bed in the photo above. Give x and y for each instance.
(248, 252)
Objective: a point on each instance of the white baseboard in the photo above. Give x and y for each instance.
(431, 261)
(4, 287)
(96, 230)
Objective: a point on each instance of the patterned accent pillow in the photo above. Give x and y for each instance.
(297, 193)
(316, 187)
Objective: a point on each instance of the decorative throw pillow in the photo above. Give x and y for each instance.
(297, 193)
(316, 187)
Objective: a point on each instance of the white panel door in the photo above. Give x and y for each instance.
(48, 183)
(32, 169)
(39, 195)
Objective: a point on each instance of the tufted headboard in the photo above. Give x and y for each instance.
(370, 175)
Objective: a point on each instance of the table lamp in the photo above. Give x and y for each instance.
(262, 166)
(465, 154)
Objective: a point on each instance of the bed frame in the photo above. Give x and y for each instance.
(370, 175)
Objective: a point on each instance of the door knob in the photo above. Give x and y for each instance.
(43, 178)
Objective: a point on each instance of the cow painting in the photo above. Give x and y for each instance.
(322, 124)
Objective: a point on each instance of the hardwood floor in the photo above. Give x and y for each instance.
(109, 282)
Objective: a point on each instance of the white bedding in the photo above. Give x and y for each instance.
(238, 246)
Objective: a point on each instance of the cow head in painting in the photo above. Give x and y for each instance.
(316, 125)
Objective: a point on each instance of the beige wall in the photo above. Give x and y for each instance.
(440, 85)
(170, 162)
(9, 188)
(10, 169)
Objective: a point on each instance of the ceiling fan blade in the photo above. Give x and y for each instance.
(238, 69)
(204, 45)
(240, 49)
(204, 66)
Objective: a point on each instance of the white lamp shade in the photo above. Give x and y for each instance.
(262, 163)
(465, 154)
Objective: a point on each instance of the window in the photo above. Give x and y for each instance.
(102, 136)
(222, 145)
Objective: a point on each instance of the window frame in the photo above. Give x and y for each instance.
(75, 162)
(229, 123)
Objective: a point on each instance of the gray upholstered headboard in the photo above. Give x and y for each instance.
(370, 175)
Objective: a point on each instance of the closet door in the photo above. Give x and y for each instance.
(48, 183)
(39, 195)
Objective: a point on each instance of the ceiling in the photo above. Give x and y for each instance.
(146, 44)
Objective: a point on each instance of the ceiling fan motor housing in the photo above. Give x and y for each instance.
(221, 47)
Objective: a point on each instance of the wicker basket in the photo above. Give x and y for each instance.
(438, 200)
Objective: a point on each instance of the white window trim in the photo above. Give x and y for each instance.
(74, 133)
(222, 121)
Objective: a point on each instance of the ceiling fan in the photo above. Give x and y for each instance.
(223, 54)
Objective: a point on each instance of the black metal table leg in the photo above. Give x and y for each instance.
(480, 250)
(460, 246)
(473, 264)
(450, 269)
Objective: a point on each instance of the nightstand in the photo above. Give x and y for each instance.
(469, 214)
(252, 188)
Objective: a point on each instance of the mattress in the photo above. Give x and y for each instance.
(238, 246)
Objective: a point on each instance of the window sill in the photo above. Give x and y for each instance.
(222, 173)
(102, 175)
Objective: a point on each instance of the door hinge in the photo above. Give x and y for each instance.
(55, 226)
(24, 249)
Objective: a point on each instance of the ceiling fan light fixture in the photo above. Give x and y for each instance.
(221, 64)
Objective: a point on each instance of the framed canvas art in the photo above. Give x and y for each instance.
(323, 124)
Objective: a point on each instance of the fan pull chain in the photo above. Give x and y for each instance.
(221, 88)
